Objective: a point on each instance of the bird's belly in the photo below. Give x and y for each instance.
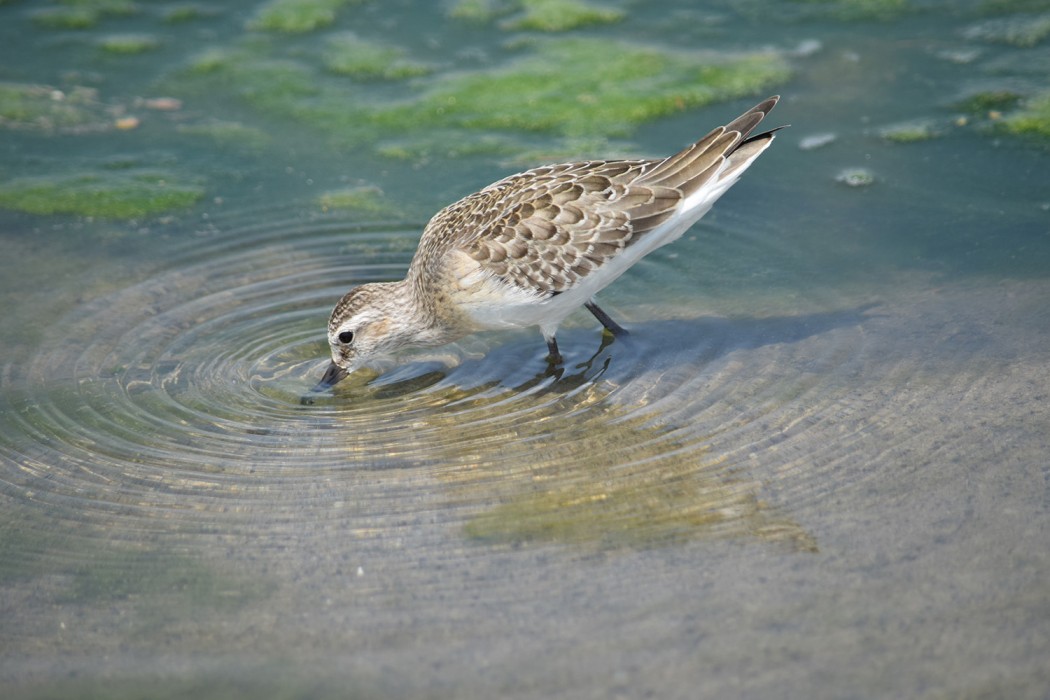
(491, 302)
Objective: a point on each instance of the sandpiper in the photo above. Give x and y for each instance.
(534, 247)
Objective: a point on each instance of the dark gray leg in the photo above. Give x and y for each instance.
(553, 356)
(612, 326)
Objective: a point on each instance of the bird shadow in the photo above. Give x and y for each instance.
(648, 345)
(602, 474)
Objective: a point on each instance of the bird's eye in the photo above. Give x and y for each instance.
(346, 337)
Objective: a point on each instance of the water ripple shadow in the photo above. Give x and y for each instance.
(595, 452)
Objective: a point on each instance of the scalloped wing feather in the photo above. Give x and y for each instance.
(548, 228)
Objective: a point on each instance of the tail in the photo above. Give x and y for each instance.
(704, 171)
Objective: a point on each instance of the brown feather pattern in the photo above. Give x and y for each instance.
(547, 228)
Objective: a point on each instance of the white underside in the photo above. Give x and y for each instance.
(494, 304)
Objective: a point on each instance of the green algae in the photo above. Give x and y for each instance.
(478, 10)
(279, 87)
(286, 88)
(81, 14)
(107, 7)
(856, 177)
(296, 16)
(561, 15)
(185, 13)
(228, 134)
(348, 54)
(1032, 120)
(446, 144)
(910, 131)
(66, 18)
(128, 44)
(270, 83)
(611, 89)
(366, 199)
(565, 489)
(573, 148)
(638, 512)
(48, 109)
(210, 62)
(859, 9)
(551, 478)
(1023, 31)
(536, 15)
(110, 195)
(510, 149)
(988, 101)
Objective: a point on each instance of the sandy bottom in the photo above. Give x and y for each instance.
(922, 485)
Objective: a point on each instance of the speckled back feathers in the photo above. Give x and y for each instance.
(548, 228)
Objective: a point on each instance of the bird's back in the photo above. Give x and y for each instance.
(573, 228)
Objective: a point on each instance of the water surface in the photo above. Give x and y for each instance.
(817, 467)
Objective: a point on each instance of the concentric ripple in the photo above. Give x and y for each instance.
(176, 402)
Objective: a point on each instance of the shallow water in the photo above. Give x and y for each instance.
(816, 468)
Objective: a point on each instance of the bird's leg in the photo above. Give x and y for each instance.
(553, 356)
(612, 326)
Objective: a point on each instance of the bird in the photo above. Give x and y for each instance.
(536, 246)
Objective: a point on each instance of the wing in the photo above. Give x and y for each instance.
(557, 224)
(546, 229)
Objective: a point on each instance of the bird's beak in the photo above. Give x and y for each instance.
(332, 376)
